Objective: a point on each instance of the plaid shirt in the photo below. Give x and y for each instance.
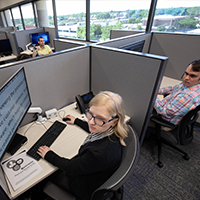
(180, 100)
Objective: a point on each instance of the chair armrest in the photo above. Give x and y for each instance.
(56, 192)
(162, 122)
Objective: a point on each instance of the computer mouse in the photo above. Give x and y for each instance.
(66, 119)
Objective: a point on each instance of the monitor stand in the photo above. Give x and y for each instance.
(16, 143)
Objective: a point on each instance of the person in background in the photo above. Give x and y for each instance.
(100, 154)
(42, 49)
(181, 98)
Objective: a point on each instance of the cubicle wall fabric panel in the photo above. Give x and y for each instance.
(180, 48)
(64, 44)
(52, 35)
(54, 80)
(116, 43)
(121, 33)
(135, 77)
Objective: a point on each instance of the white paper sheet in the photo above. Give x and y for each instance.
(20, 168)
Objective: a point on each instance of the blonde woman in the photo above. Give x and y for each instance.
(100, 154)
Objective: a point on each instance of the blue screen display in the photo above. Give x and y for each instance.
(34, 37)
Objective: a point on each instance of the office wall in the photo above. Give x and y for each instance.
(121, 33)
(54, 79)
(180, 48)
(61, 44)
(135, 76)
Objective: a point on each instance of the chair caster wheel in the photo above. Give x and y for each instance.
(186, 157)
(160, 164)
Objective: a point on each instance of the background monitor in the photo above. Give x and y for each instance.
(34, 37)
(5, 47)
(15, 102)
(135, 46)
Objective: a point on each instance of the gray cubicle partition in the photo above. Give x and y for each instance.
(61, 44)
(55, 79)
(118, 42)
(3, 36)
(52, 34)
(135, 76)
(121, 33)
(180, 48)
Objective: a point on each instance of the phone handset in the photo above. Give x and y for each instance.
(80, 103)
(83, 101)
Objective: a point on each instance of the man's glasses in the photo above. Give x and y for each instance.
(98, 121)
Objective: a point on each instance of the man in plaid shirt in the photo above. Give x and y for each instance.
(182, 97)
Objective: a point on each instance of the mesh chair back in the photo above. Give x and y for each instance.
(185, 127)
(130, 156)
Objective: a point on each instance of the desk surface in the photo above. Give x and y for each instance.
(166, 81)
(5, 58)
(66, 145)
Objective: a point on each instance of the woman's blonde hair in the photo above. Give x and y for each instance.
(114, 104)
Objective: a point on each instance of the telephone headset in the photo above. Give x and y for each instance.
(83, 101)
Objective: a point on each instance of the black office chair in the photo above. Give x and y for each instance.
(113, 187)
(182, 133)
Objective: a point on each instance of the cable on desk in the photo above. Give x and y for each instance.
(66, 105)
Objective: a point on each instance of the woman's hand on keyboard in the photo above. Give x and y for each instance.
(43, 150)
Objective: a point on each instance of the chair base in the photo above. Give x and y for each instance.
(162, 140)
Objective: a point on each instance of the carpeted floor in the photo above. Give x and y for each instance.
(178, 179)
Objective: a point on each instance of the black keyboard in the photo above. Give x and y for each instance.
(46, 139)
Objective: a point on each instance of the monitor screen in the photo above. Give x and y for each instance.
(5, 47)
(135, 46)
(34, 37)
(15, 102)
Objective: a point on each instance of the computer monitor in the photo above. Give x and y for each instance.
(15, 102)
(135, 46)
(34, 37)
(5, 47)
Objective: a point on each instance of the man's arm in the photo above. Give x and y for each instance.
(175, 106)
(34, 54)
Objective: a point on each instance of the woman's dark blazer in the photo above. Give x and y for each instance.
(92, 166)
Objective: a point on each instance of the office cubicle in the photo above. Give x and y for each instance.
(55, 79)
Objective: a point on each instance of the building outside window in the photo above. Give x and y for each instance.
(177, 16)
(8, 18)
(121, 15)
(28, 16)
(17, 18)
(71, 18)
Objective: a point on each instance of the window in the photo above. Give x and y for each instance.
(28, 16)
(122, 15)
(8, 18)
(71, 18)
(177, 16)
(17, 18)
